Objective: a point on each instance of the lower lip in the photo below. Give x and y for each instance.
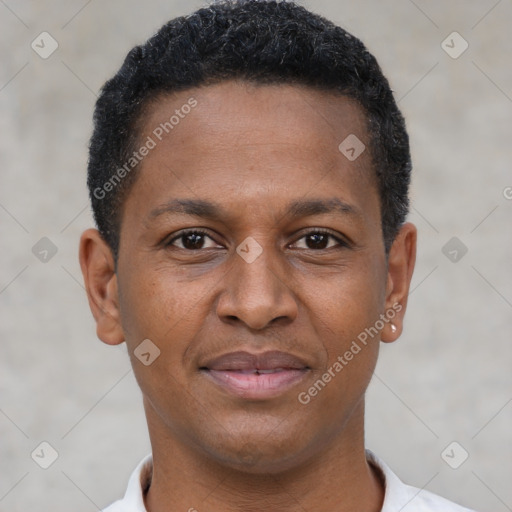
(257, 386)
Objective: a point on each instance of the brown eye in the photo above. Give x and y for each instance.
(191, 240)
(319, 240)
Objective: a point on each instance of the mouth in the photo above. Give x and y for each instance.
(256, 376)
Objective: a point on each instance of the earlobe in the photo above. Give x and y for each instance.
(98, 270)
(401, 261)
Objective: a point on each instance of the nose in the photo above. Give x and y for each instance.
(257, 293)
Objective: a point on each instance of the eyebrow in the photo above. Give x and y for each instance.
(215, 211)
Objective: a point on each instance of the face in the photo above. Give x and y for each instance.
(252, 258)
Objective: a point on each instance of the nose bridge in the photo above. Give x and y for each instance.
(257, 267)
(256, 291)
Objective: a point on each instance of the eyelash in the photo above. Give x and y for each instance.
(198, 231)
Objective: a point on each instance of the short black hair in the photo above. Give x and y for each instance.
(263, 42)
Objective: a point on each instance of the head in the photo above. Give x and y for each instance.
(272, 137)
(258, 42)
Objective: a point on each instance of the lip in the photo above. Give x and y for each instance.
(239, 373)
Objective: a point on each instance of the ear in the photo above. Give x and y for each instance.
(98, 270)
(401, 260)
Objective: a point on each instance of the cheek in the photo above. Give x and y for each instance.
(348, 319)
(150, 308)
(157, 308)
(343, 320)
(157, 304)
(351, 302)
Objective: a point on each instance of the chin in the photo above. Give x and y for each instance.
(259, 457)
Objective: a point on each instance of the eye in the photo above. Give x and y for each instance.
(195, 239)
(192, 240)
(319, 240)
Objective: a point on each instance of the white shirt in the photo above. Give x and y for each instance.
(398, 496)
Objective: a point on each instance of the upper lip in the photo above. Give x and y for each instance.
(242, 360)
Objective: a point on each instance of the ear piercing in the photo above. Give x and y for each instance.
(393, 328)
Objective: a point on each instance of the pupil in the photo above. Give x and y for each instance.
(195, 238)
(319, 238)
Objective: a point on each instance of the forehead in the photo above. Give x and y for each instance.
(253, 109)
(237, 114)
(252, 143)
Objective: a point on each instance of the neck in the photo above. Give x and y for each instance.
(336, 478)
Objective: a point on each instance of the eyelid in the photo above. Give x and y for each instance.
(176, 236)
(342, 241)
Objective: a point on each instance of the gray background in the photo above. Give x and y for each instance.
(447, 379)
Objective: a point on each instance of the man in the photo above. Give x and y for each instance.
(249, 174)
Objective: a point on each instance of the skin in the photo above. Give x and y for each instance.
(253, 149)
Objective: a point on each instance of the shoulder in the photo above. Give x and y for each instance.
(420, 500)
(133, 500)
(406, 498)
(115, 507)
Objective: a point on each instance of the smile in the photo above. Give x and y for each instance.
(257, 384)
(256, 376)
